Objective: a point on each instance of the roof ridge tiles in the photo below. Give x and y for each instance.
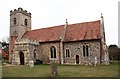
(63, 25)
(74, 32)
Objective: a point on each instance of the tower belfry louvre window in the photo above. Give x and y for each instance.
(25, 22)
(85, 50)
(14, 21)
(53, 52)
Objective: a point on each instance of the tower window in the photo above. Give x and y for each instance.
(85, 51)
(25, 22)
(14, 20)
(53, 52)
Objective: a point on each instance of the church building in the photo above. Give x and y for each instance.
(79, 43)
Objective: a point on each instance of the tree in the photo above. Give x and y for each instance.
(5, 44)
(0, 51)
(118, 53)
(113, 52)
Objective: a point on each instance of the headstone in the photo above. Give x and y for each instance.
(54, 71)
(95, 61)
(31, 63)
(106, 59)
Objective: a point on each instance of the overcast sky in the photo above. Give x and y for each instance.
(46, 13)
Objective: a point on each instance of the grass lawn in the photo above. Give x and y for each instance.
(63, 71)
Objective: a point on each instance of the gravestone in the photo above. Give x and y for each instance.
(31, 63)
(54, 71)
(95, 61)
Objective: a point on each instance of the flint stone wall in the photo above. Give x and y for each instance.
(76, 48)
(44, 52)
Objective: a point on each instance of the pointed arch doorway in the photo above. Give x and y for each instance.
(77, 59)
(21, 54)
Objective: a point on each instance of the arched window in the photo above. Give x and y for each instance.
(25, 22)
(67, 53)
(35, 52)
(14, 21)
(53, 52)
(85, 50)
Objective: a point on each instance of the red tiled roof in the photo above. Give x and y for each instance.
(45, 34)
(83, 31)
(74, 32)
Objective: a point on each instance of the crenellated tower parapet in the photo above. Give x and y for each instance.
(20, 10)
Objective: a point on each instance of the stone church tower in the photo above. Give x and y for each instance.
(20, 22)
